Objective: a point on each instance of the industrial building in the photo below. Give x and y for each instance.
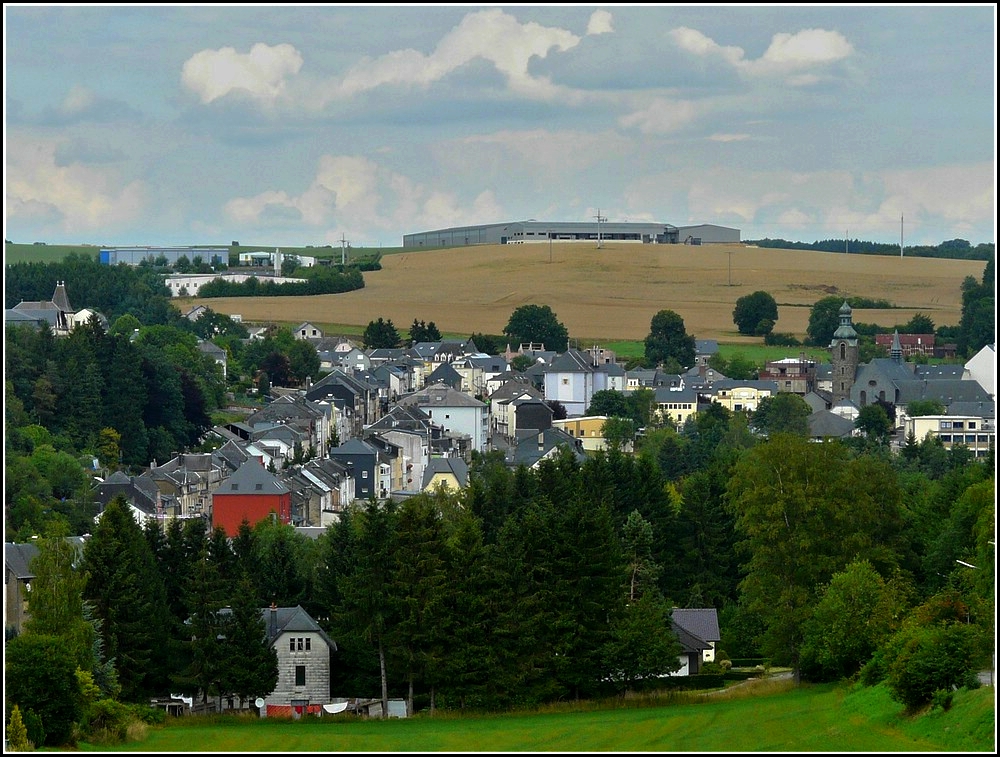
(522, 232)
(134, 256)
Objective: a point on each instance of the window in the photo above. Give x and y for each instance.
(364, 474)
(300, 675)
(234, 487)
(945, 424)
(300, 643)
(945, 437)
(958, 424)
(972, 425)
(308, 643)
(565, 381)
(258, 487)
(291, 645)
(843, 352)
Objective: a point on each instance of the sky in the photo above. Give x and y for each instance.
(322, 124)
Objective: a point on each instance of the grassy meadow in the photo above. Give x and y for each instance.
(611, 294)
(606, 295)
(776, 718)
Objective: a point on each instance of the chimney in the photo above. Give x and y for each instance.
(274, 620)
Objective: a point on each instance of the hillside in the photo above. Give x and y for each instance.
(613, 292)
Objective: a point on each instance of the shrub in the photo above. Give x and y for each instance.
(924, 660)
(781, 339)
(17, 733)
(942, 698)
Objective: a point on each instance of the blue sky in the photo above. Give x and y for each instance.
(309, 124)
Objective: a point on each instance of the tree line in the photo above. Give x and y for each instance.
(956, 249)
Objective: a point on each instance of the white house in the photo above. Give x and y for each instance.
(454, 411)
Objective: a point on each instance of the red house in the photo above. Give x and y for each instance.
(252, 493)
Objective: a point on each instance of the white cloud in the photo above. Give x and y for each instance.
(489, 35)
(73, 198)
(807, 47)
(352, 193)
(262, 73)
(786, 54)
(599, 23)
(661, 116)
(728, 137)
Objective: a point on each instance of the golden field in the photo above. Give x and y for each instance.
(612, 293)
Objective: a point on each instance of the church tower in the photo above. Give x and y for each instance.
(844, 355)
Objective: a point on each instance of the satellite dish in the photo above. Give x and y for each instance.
(259, 702)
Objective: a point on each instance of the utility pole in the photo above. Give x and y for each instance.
(343, 250)
(599, 219)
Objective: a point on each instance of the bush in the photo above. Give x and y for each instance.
(924, 660)
(943, 699)
(17, 733)
(781, 339)
(113, 722)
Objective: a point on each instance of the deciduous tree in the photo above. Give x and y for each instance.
(755, 314)
(536, 324)
(668, 344)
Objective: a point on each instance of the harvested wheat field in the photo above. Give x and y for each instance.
(612, 293)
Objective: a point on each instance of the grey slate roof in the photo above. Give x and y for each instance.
(454, 465)
(703, 622)
(279, 620)
(17, 559)
(823, 423)
(252, 478)
(440, 395)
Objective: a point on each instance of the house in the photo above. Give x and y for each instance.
(982, 367)
(141, 494)
(697, 629)
(251, 493)
(321, 490)
(304, 652)
(17, 578)
(215, 352)
(571, 380)
(57, 312)
(307, 331)
(588, 430)
(910, 344)
(500, 402)
(675, 406)
(531, 450)
(824, 424)
(452, 473)
(454, 411)
(362, 459)
(742, 394)
(976, 432)
(796, 375)
(529, 415)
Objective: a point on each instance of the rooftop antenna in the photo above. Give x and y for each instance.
(343, 250)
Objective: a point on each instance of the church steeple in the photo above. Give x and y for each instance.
(896, 350)
(844, 355)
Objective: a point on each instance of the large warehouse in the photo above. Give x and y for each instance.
(521, 232)
(133, 256)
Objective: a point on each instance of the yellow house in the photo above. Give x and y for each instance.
(588, 429)
(742, 396)
(675, 406)
(976, 433)
(450, 472)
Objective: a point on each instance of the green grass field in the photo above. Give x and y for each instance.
(820, 718)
